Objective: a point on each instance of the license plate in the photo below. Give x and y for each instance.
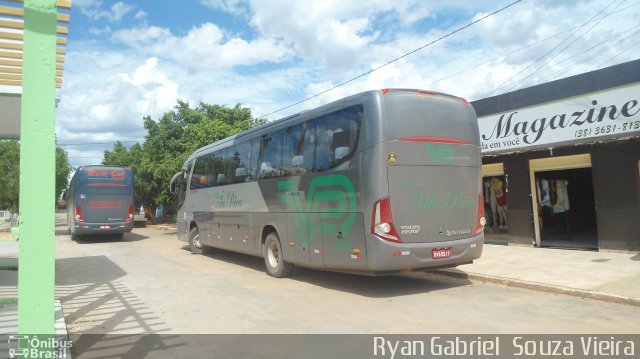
(440, 253)
(105, 227)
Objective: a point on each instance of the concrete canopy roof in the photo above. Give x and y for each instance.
(11, 52)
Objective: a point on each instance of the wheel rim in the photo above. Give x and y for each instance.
(273, 254)
(196, 241)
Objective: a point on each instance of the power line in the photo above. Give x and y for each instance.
(539, 42)
(563, 70)
(392, 61)
(536, 43)
(568, 45)
(548, 52)
(95, 143)
(499, 57)
(623, 51)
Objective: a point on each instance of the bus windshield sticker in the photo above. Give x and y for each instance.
(335, 196)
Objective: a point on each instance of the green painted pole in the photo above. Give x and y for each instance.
(36, 277)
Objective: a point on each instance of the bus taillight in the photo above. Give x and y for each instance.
(129, 215)
(480, 220)
(79, 216)
(382, 221)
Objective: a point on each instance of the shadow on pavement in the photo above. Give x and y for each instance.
(61, 232)
(381, 286)
(106, 238)
(366, 286)
(96, 302)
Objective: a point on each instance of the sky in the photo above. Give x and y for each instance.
(127, 60)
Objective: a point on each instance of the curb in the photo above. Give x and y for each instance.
(541, 287)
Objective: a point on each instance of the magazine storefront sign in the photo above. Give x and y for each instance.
(606, 114)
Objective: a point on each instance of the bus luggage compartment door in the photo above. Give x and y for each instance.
(343, 240)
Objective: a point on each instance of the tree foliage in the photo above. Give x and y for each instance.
(169, 142)
(63, 169)
(10, 173)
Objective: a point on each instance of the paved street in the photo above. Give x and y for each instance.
(150, 283)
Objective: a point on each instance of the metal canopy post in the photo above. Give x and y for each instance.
(36, 277)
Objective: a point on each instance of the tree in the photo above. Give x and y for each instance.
(171, 140)
(121, 156)
(10, 173)
(63, 169)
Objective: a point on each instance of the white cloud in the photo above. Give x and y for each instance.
(141, 15)
(156, 90)
(235, 7)
(455, 61)
(331, 32)
(93, 9)
(292, 50)
(204, 47)
(100, 31)
(106, 96)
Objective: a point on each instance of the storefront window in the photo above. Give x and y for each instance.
(495, 204)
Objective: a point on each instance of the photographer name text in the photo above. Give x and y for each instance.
(461, 346)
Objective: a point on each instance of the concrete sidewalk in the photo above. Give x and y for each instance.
(608, 276)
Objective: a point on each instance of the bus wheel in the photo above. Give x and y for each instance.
(194, 241)
(274, 262)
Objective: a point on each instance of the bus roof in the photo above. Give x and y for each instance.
(324, 108)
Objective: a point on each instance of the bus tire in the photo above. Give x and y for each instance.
(194, 241)
(273, 260)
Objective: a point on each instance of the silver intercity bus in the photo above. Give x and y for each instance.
(377, 183)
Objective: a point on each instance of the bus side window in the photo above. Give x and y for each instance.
(323, 145)
(252, 164)
(199, 176)
(226, 176)
(309, 147)
(337, 140)
(271, 165)
(241, 160)
(344, 129)
(293, 154)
